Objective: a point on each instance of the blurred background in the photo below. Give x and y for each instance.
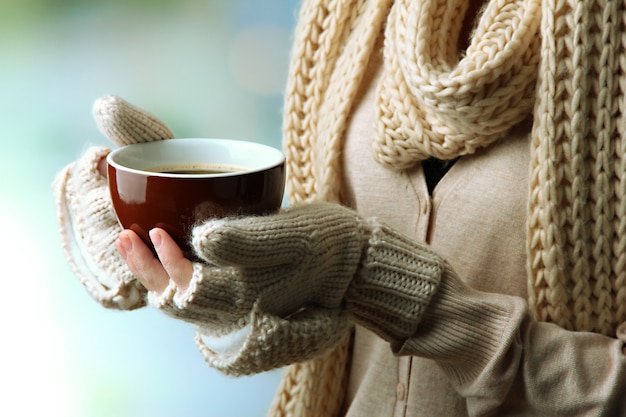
(207, 68)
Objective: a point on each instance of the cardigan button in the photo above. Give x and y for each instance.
(400, 391)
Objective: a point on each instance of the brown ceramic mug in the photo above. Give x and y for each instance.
(176, 183)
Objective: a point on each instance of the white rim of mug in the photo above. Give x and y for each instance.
(278, 158)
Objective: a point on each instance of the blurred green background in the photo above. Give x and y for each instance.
(207, 68)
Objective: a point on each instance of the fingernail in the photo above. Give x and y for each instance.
(156, 238)
(125, 246)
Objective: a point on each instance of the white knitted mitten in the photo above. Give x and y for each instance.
(319, 256)
(87, 222)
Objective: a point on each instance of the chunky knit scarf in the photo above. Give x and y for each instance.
(564, 61)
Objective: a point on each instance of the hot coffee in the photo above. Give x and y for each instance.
(196, 169)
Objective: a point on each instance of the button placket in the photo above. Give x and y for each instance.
(423, 219)
(404, 373)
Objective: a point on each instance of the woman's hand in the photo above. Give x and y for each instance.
(316, 257)
(155, 273)
(124, 124)
(87, 223)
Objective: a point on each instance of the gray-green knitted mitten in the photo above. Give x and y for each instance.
(87, 223)
(319, 256)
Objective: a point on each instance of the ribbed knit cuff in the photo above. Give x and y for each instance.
(88, 229)
(394, 285)
(467, 331)
(209, 301)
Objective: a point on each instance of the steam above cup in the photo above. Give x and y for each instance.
(175, 184)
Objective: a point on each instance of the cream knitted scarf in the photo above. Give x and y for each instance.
(433, 102)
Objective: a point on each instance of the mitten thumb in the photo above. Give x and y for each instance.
(291, 236)
(125, 124)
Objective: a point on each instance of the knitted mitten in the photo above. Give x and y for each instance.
(319, 256)
(125, 124)
(87, 222)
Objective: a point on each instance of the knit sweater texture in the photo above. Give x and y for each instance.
(562, 62)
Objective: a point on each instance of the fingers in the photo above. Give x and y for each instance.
(142, 263)
(172, 259)
(102, 167)
(155, 273)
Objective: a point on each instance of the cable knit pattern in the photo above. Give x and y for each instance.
(322, 26)
(432, 104)
(334, 39)
(577, 221)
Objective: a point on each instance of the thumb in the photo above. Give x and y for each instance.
(290, 236)
(258, 241)
(124, 123)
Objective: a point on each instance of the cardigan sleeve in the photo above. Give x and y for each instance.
(489, 347)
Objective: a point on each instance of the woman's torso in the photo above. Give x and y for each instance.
(475, 219)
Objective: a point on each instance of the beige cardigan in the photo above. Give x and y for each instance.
(575, 235)
(475, 219)
(475, 353)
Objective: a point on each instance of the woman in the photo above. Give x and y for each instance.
(429, 271)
